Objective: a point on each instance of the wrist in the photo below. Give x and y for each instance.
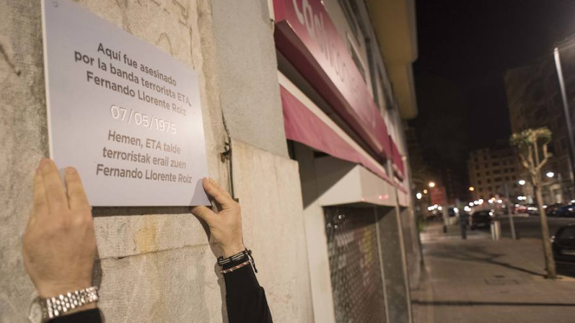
(53, 290)
(231, 250)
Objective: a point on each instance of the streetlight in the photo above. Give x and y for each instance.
(431, 184)
(550, 174)
(521, 182)
(424, 191)
(471, 188)
(566, 111)
(419, 196)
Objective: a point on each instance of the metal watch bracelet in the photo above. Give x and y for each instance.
(61, 304)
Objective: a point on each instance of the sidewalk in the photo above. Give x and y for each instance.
(479, 280)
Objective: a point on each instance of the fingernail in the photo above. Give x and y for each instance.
(209, 180)
(70, 171)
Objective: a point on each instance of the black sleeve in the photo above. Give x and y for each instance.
(245, 298)
(88, 316)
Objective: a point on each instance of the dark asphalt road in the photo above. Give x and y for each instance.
(531, 227)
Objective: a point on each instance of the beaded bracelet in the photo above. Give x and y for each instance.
(236, 267)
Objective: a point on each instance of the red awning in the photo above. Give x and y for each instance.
(304, 126)
(330, 70)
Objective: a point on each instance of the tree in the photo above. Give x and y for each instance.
(531, 145)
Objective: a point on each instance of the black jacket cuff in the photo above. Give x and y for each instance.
(241, 281)
(87, 316)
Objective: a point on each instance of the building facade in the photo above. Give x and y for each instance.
(534, 100)
(303, 108)
(491, 171)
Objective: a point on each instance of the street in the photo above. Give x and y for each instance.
(530, 227)
(480, 280)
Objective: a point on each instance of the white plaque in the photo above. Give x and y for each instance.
(125, 114)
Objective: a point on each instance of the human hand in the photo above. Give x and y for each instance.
(226, 225)
(59, 244)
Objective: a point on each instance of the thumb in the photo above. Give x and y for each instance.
(203, 213)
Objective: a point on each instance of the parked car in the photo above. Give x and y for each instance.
(551, 209)
(533, 209)
(563, 244)
(566, 211)
(520, 208)
(481, 219)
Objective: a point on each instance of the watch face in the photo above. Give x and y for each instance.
(35, 314)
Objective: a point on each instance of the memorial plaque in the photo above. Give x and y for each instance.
(125, 114)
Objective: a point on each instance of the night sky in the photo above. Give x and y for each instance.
(465, 47)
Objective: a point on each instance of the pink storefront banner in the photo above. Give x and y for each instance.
(304, 126)
(308, 39)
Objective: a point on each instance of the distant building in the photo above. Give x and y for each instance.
(534, 101)
(490, 170)
(454, 186)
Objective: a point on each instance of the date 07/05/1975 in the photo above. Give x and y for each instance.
(141, 119)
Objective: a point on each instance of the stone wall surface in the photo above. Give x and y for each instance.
(155, 264)
(251, 101)
(269, 191)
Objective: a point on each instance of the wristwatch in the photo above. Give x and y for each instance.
(44, 309)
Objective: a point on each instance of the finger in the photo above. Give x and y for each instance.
(203, 213)
(218, 193)
(40, 201)
(77, 199)
(55, 195)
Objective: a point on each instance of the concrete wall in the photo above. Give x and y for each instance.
(155, 264)
(322, 292)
